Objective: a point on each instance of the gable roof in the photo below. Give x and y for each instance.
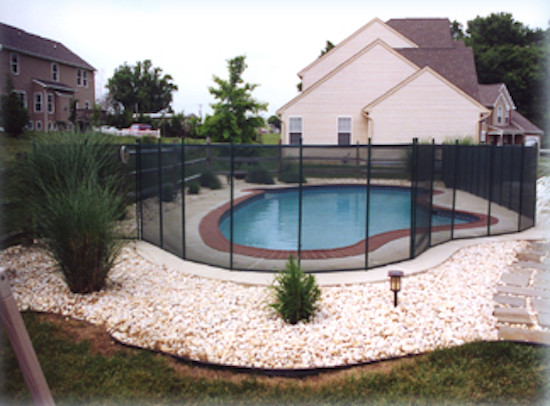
(426, 32)
(456, 64)
(520, 121)
(355, 34)
(413, 77)
(489, 94)
(15, 39)
(378, 42)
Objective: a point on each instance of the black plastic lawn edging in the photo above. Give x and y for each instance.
(275, 372)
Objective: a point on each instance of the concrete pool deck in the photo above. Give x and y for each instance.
(199, 207)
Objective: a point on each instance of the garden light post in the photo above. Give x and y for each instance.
(395, 284)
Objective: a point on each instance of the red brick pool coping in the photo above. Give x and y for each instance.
(212, 236)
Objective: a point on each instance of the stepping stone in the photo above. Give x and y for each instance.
(544, 319)
(531, 256)
(541, 305)
(514, 290)
(541, 283)
(518, 334)
(513, 315)
(510, 300)
(542, 276)
(515, 279)
(530, 265)
(520, 270)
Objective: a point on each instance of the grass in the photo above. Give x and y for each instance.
(94, 373)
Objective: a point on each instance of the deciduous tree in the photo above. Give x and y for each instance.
(235, 114)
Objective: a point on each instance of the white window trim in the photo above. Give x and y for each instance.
(85, 78)
(52, 103)
(55, 72)
(499, 115)
(35, 103)
(30, 125)
(338, 132)
(290, 132)
(38, 125)
(87, 105)
(16, 72)
(79, 77)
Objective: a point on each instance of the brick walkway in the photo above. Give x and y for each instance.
(522, 300)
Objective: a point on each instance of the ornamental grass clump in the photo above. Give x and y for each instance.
(296, 293)
(74, 189)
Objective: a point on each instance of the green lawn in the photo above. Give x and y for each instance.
(92, 373)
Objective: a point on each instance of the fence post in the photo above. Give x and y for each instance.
(232, 192)
(413, 196)
(300, 174)
(159, 165)
(139, 211)
(455, 181)
(521, 168)
(367, 204)
(12, 322)
(432, 178)
(491, 171)
(183, 198)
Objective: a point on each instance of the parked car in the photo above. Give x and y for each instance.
(140, 130)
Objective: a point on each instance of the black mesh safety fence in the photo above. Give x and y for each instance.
(334, 208)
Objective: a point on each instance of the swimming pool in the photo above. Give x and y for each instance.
(332, 217)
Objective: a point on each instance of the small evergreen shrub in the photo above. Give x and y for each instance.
(193, 188)
(291, 174)
(210, 180)
(168, 192)
(296, 293)
(260, 176)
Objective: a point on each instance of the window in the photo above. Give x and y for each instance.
(295, 129)
(87, 105)
(51, 103)
(55, 72)
(37, 104)
(79, 77)
(30, 126)
(344, 130)
(14, 63)
(499, 115)
(85, 78)
(39, 125)
(506, 119)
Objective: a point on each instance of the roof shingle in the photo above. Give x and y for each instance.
(15, 39)
(425, 32)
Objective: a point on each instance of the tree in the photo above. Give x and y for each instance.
(14, 114)
(235, 115)
(328, 46)
(141, 88)
(507, 51)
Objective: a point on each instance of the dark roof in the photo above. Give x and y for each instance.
(524, 124)
(54, 85)
(15, 39)
(454, 64)
(488, 94)
(425, 32)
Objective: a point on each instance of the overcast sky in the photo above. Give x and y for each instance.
(193, 39)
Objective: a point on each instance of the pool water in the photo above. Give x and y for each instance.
(332, 217)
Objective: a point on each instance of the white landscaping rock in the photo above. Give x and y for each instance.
(228, 323)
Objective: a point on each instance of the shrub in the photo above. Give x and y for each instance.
(74, 190)
(210, 180)
(296, 293)
(193, 188)
(260, 176)
(168, 192)
(291, 174)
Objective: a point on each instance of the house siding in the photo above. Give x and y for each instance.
(371, 32)
(344, 93)
(426, 108)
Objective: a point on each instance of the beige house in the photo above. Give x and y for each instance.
(47, 75)
(389, 82)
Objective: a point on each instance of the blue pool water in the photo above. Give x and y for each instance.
(332, 217)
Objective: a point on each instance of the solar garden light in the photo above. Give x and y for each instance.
(395, 284)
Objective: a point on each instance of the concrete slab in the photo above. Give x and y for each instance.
(530, 265)
(523, 335)
(515, 279)
(541, 305)
(514, 290)
(544, 319)
(530, 256)
(510, 300)
(512, 315)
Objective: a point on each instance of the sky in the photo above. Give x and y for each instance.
(192, 40)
